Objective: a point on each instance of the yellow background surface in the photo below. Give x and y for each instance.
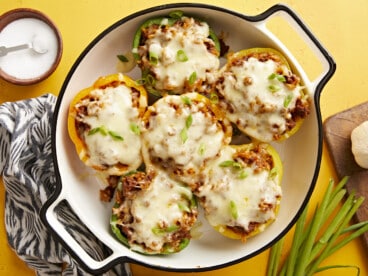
(340, 25)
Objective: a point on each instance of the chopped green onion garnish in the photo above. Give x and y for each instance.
(122, 58)
(230, 163)
(114, 135)
(274, 88)
(227, 163)
(243, 174)
(102, 130)
(279, 77)
(233, 210)
(192, 78)
(189, 121)
(184, 135)
(272, 76)
(236, 166)
(184, 131)
(135, 128)
(287, 100)
(153, 57)
(181, 56)
(186, 100)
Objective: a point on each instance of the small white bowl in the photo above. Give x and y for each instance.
(14, 65)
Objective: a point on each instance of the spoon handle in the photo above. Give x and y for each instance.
(5, 50)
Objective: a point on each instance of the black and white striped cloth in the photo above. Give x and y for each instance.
(28, 175)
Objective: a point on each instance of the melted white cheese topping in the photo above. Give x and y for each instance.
(261, 107)
(172, 73)
(114, 112)
(170, 138)
(162, 205)
(233, 199)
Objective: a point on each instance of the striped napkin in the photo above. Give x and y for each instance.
(28, 174)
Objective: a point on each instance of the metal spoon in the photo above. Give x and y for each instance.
(5, 50)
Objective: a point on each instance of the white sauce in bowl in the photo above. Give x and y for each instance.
(27, 64)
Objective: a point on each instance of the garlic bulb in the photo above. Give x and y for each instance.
(359, 144)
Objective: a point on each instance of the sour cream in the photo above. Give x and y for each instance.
(27, 64)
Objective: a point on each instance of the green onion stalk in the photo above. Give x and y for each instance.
(311, 245)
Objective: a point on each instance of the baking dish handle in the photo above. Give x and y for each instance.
(304, 32)
(75, 249)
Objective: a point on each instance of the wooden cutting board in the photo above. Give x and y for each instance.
(337, 130)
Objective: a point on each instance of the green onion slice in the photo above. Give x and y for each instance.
(243, 174)
(278, 77)
(230, 163)
(181, 56)
(288, 100)
(184, 131)
(233, 210)
(189, 121)
(114, 135)
(101, 129)
(186, 100)
(135, 128)
(184, 135)
(192, 78)
(153, 57)
(274, 88)
(104, 132)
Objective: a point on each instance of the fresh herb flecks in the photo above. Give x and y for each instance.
(184, 132)
(105, 132)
